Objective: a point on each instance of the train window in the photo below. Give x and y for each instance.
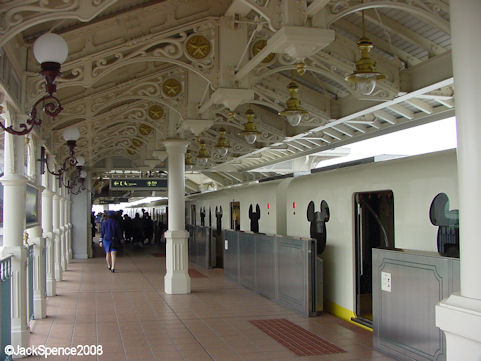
(374, 228)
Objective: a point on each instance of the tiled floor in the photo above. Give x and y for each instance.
(129, 314)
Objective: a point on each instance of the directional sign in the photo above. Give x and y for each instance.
(138, 183)
(106, 201)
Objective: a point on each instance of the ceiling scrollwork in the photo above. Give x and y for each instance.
(146, 70)
(18, 17)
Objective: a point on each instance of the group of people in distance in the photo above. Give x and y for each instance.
(116, 229)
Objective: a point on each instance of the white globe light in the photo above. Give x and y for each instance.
(50, 48)
(80, 161)
(71, 133)
(293, 118)
(250, 138)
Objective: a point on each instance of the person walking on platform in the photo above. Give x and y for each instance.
(138, 230)
(110, 236)
(148, 227)
(127, 228)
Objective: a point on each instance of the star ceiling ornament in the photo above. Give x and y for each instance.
(156, 112)
(198, 47)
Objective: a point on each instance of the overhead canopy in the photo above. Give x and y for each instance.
(141, 71)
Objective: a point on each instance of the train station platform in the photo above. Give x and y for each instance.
(129, 314)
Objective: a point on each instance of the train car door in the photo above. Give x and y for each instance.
(374, 228)
(235, 216)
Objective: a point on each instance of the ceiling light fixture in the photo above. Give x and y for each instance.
(301, 68)
(222, 145)
(203, 155)
(79, 181)
(50, 50)
(189, 162)
(365, 76)
(71, 135)
(250, 132)
(294, 112)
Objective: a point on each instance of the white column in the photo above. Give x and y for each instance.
(14, 196)
(57, 240)
(39, 301)
(47, 202)
(177, 279)
(63, 262)
(69, 227)
(459, 316)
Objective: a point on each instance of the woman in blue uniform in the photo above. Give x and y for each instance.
(110, 235)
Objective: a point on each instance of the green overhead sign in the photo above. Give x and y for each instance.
(138, 183)
(106, 201)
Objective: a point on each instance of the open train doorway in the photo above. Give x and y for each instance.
(235, 216)
(374, 228)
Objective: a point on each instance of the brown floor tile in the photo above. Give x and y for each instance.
(131, 317)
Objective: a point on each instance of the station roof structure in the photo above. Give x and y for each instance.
(141, 71)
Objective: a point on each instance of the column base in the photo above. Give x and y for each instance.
(58, 273)
(177, 283)
(39, 308)
(460, 319)
(81, 255)
(20, 337)
(51, 287)
(177, 279)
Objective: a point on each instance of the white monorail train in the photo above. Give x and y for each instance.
(399, 192)
(370, 204)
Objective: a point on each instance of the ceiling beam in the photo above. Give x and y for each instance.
(382, 114)
(380, 43)
(421, 105)
(315, 6)
(405, 33)
(402, 111)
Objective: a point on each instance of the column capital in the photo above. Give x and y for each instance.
(47, 192)
(13, 179)
(39, 187)
(176, 145)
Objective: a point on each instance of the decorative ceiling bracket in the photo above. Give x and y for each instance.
(152, 162)
(197, 126)
(229, 97)
(296, 41)
(160, 155)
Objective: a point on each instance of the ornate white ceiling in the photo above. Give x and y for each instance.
(141, 71)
